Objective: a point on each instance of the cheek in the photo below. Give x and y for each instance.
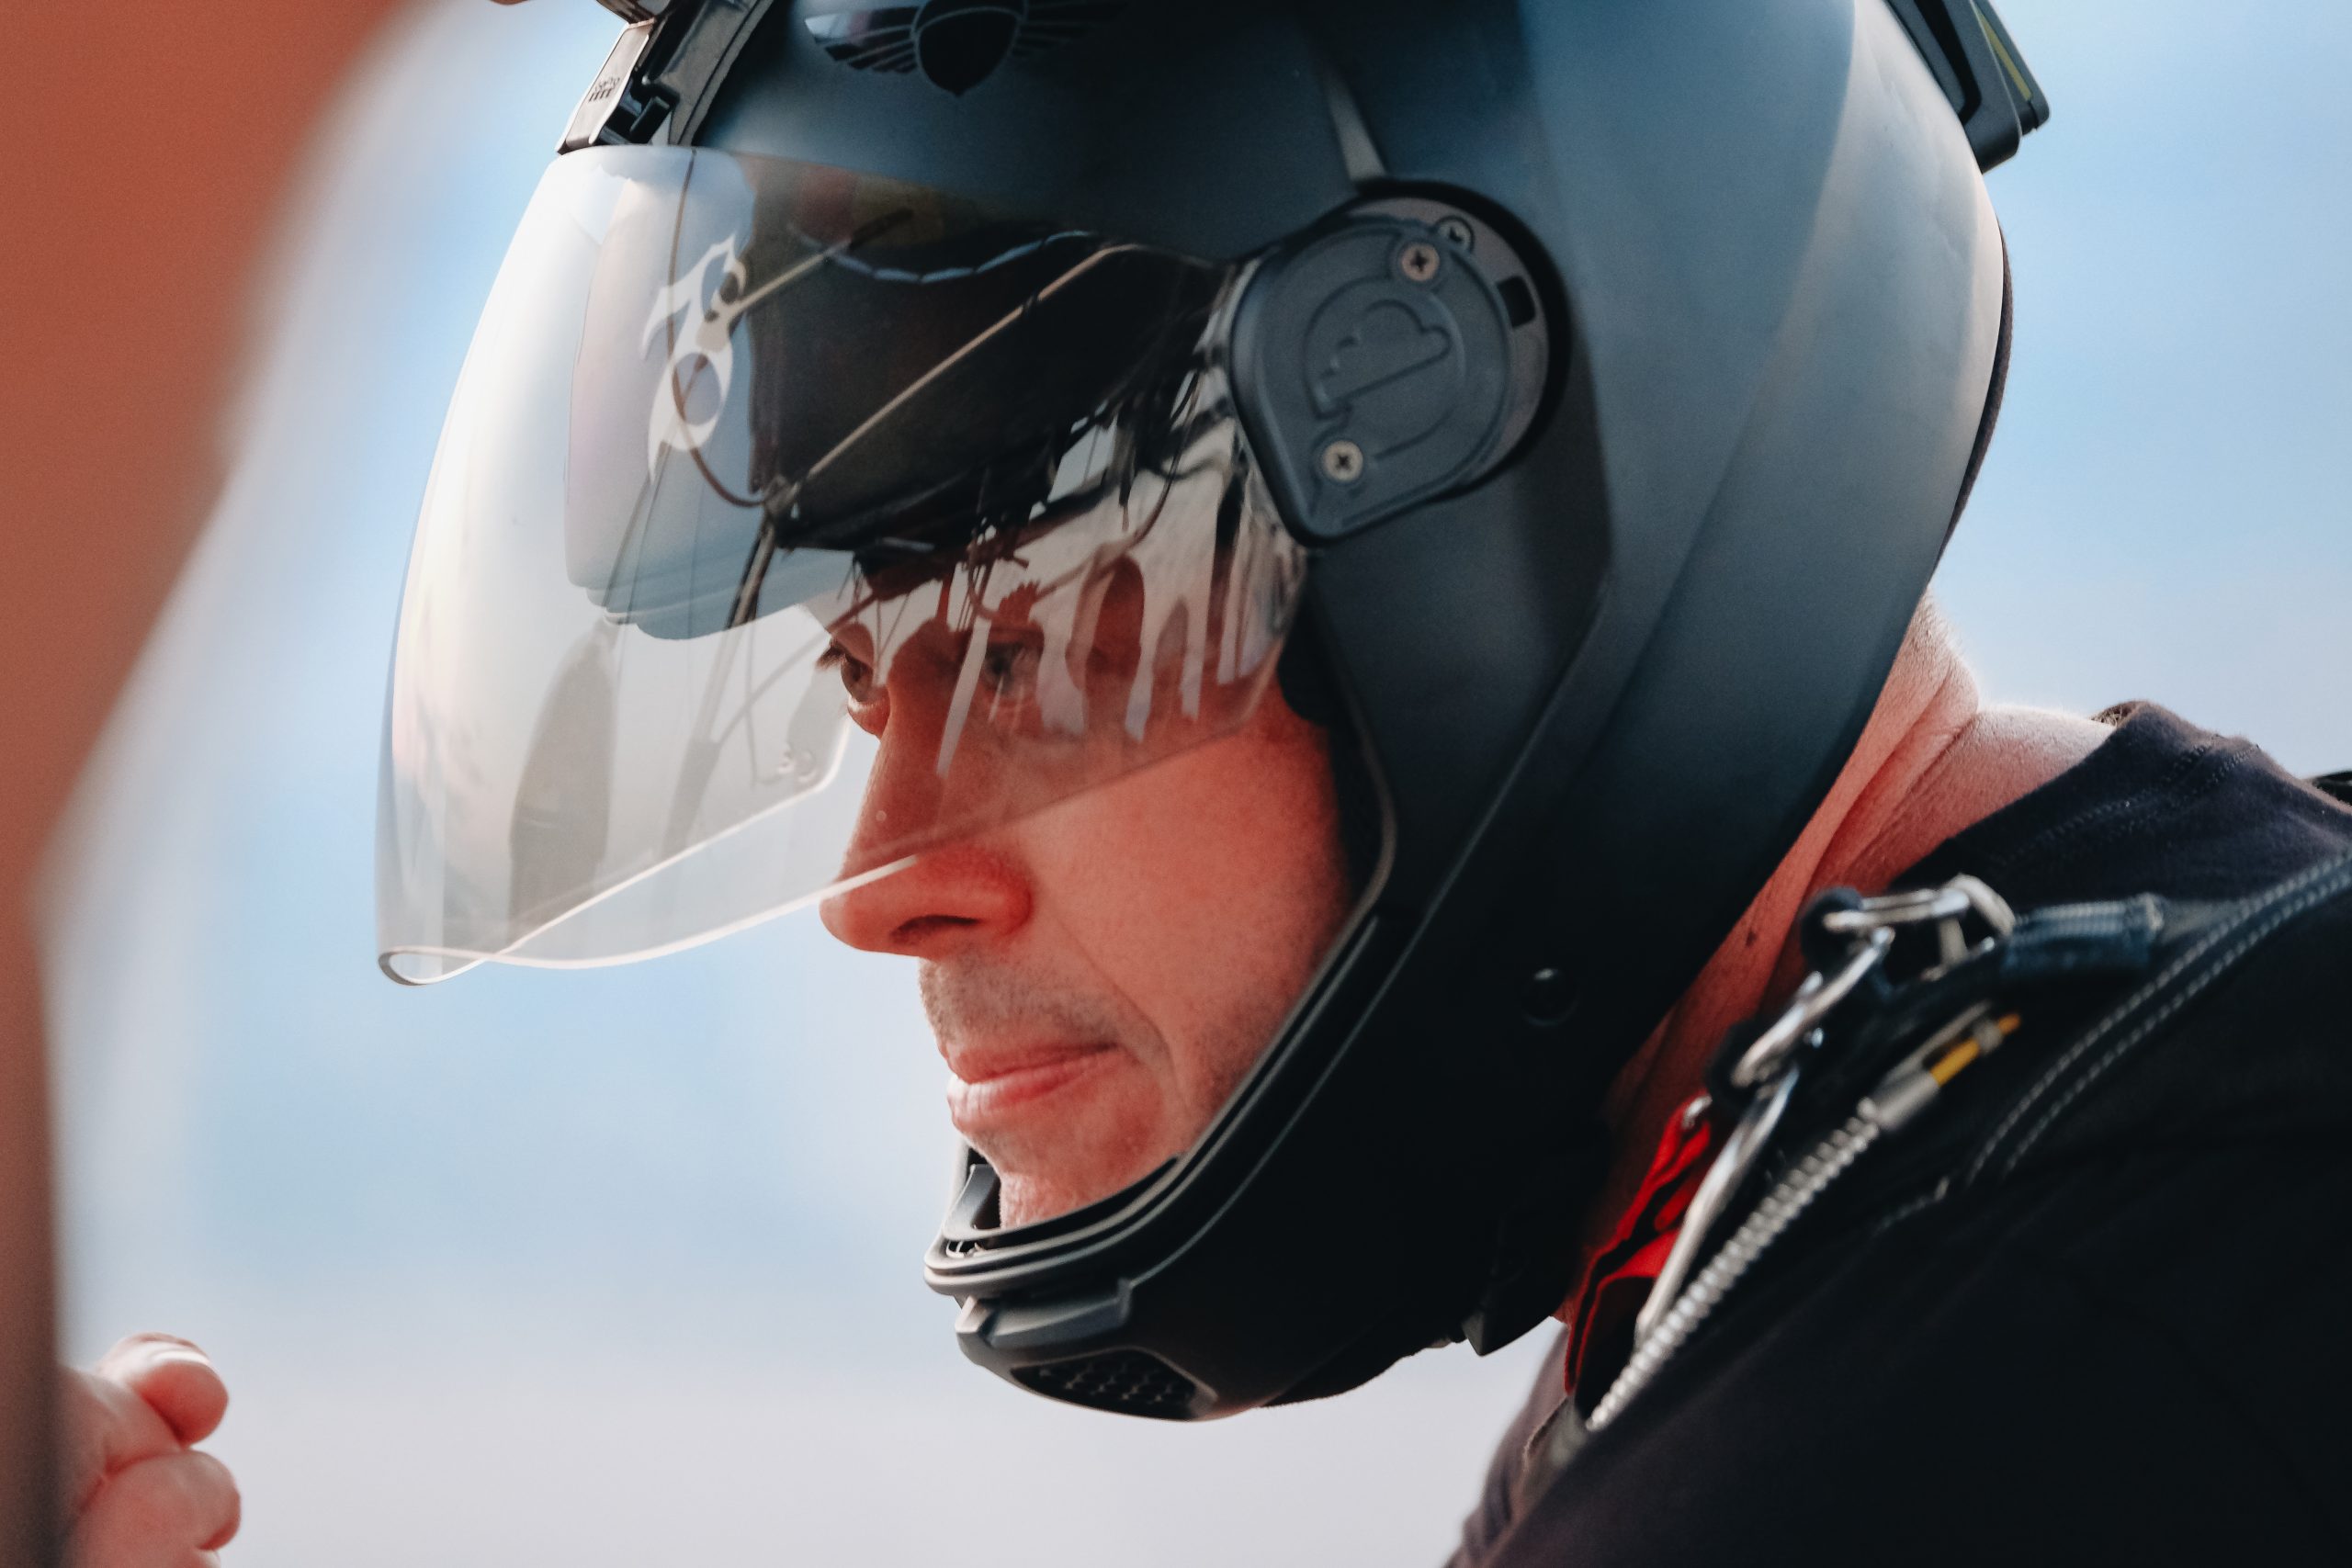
(1208, 889)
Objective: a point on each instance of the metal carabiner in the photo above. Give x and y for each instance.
(1943, 906)
(1815, 1000)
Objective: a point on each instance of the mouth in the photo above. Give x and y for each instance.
(989, 1086)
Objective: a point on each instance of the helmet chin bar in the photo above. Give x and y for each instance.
(1604, 631)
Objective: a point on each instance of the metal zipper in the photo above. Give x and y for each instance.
(1898, 1097)
(1907, 1090)
(1766, 1224)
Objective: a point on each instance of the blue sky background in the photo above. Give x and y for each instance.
(622, 1267)
(2164, 513)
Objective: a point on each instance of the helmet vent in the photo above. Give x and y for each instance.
(957, 44)
(1128, 1381)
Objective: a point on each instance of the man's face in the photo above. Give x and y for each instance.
(1101, 974)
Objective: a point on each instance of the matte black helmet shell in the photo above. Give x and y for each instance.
(1598, 682)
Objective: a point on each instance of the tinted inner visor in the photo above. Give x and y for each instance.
(760, 475)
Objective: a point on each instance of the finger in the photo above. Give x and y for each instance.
(106, 1428)
(157, 1513)
(175, 1377)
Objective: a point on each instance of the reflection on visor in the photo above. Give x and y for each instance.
(788, 523)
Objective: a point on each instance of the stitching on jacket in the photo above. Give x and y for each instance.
(2283, 904)
(2196, 774)
(1915, 1205)
(2061, 835)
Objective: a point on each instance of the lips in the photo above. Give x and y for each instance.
(991, 1083)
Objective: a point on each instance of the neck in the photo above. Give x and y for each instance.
(1931, 761)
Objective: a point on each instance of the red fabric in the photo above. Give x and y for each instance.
(1618, 1278)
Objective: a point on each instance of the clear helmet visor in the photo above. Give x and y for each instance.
(789, 523)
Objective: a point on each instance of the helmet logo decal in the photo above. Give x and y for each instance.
(1388, 342)
(706, 347)
(1386, 363)
(957, 44)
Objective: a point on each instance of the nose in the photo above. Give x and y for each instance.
(949, 900)
(952, 896)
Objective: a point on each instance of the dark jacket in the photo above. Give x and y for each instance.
(2124, 1337)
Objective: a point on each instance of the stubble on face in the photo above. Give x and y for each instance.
(1104, 975)
(1141, 1102)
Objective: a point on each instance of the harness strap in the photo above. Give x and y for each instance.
(2097, 1051)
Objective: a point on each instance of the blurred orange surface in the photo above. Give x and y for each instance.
(150, 145)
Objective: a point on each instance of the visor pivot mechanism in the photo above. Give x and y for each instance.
(1396, 356)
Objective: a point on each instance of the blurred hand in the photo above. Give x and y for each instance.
(140, 1497)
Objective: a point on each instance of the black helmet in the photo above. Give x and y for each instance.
(1563, 402)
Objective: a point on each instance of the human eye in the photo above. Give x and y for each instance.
(864, 692)
(857, 675)
(1008, 667)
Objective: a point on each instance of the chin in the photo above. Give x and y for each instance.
(1092, 1152)
(1024, 1199)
